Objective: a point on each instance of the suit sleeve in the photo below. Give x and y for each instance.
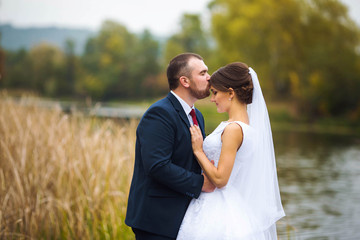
(156, 134)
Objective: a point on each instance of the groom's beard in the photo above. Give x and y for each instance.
(199, 94)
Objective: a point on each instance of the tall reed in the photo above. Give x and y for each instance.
(61, 176)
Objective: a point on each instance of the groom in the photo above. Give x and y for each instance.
(166, 174)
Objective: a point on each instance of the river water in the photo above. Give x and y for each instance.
(319, 178)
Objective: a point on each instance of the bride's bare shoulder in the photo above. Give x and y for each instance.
(233, 130)
(234, 126)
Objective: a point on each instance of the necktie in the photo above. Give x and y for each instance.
(193, 115)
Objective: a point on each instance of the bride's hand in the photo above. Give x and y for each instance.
(196, 139)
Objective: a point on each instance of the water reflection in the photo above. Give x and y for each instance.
(319, 177)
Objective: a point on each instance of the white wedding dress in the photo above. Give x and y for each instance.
(226, 213)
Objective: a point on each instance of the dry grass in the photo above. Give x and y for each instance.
(61, 176)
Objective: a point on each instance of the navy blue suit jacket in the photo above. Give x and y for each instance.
(166, 173)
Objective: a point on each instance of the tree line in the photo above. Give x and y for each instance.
(305, 51)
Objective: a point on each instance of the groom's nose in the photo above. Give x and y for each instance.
(208, 76)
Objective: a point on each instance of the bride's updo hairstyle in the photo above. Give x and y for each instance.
(236, 76)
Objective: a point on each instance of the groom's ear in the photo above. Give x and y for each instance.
(184, 81)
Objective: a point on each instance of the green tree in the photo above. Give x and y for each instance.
(303, 49)
(40, 69)
(119, 64)
(2, 64)
(329, 73)
(67, 87)
(107, 61)
(264, 34)
(190, 38)
(47, 68)
(17, 71)
(146, 68)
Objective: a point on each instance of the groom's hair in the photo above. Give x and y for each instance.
(178, 67)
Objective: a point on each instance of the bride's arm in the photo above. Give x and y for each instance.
(231, 141)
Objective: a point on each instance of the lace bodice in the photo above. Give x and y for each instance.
(212, 146)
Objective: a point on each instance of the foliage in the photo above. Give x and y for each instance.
(71, 69)
(16, 73)
(118, 63)
(305, 50)
(190, 38)
(108, 59)
(2, 64)
(331, 76)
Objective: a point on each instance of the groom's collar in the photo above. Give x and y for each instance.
(184, 105)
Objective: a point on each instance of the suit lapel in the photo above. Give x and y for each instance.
(178, 108)
(182, 114)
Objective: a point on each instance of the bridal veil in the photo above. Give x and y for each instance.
(259, 183)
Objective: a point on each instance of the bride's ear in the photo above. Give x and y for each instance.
(184, 81)
(231, 93)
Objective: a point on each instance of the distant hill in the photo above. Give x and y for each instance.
(13, 38)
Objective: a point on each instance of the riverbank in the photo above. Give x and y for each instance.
(282, 114)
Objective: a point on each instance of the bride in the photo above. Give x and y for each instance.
(246, 203)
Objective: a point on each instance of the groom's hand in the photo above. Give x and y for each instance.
(207, 186)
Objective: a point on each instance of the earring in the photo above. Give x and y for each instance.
(229, 99)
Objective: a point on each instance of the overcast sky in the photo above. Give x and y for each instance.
(161, 17)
